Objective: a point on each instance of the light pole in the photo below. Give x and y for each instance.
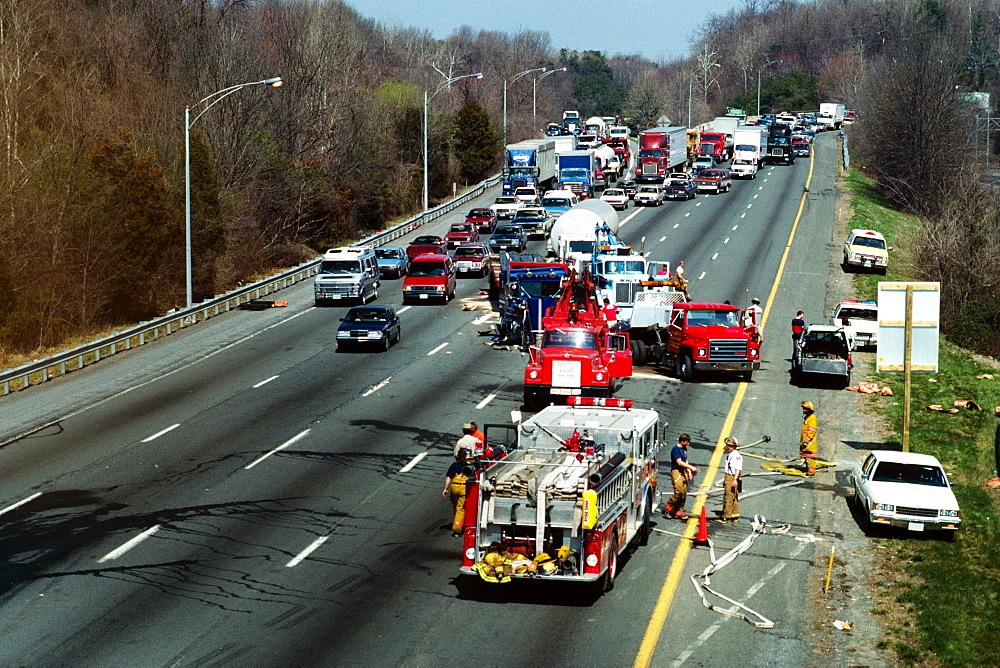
(505, 83)
(428, 94)
(218, 95)
(534, 94)
(758, 82)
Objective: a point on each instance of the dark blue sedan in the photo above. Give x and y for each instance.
(679, 189)
(369, 326)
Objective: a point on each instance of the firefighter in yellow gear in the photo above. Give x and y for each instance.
(807, 437)
(455, 489)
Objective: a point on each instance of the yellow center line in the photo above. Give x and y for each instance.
(658, 619)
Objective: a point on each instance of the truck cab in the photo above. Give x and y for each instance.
(710, 337)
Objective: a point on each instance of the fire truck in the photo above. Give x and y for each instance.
(576, 481)
(579, 355)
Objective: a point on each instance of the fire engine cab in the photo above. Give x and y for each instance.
(574, 489)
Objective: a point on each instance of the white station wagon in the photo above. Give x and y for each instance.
(905, 490)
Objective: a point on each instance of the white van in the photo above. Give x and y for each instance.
(347, 273)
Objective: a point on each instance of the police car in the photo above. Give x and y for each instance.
(866, 249)
(859, 319)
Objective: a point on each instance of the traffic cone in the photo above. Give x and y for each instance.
(702, 538)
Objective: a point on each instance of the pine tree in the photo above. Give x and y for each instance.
(476, 143)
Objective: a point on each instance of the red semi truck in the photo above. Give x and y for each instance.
(661, 151)
(716, 144)
(579, 355)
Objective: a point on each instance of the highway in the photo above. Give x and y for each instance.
(242, 494)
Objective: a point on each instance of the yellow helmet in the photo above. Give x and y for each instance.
(809, 405)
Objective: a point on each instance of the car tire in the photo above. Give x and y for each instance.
(387, 343)
(686, 369)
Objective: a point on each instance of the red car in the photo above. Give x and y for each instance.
(425, 244)
(473, 259)
(461, 233)
(484, 219)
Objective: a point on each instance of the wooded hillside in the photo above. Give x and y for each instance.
(92, 98)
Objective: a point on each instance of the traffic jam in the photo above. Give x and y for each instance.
(562, 494)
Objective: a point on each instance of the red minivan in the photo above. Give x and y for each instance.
(431, 276)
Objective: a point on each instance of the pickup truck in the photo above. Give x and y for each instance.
(714, 180)
(823, 352)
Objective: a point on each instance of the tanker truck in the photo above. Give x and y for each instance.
(609, 161)
(595, 125)
(574, 234)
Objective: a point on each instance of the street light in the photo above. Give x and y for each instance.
(534, 94)
(758, 81)
(505, 83)
(274, 82)
(428, 94)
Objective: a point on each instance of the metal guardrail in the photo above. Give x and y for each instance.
(39, 371)
(847, 154)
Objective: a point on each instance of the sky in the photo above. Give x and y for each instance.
(660, 30)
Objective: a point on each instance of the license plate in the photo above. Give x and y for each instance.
(915, 526)
(423, 296)
(462, 269)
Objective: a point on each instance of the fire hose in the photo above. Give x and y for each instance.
(701, 581)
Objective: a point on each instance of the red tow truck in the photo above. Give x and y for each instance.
(579, 354)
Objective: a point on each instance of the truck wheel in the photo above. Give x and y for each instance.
(686, 369)
(746, 376)
(608, 581)
(647, 514)
(642, 356)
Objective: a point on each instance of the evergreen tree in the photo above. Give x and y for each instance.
(208, 235)
(476, 144)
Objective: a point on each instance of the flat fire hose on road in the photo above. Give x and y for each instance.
(779, 465)
(758, 525)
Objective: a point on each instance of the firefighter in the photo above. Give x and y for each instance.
(454, 487)
(681, 473)
(731, 484)
(610, 313)
(807, 437)
(468, 441)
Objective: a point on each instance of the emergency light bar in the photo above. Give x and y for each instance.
(598, 401)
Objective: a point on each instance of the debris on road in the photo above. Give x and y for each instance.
(842, 625)
(261, 304)
(968, 403)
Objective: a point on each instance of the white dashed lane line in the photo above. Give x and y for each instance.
(404, 309)
(734, 227)
(281, 447)
(20, 503)
(702, 276)
(438, 348)
(715, 256)
(160, 433)
(376, 387)
(306, 552)
(413, 462)
(488, 399)
(663, 238)
(114, 554)
(264, 382)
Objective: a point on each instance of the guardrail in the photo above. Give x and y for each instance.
(847, 154)
(39, 371)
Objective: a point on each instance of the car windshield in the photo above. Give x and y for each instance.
(648, 189)
(650, 154)
(339, 267)
(426, 269)
(506, 200)
(427, 240)
(460, 227)
(388, 253)
(869, 242)
(857, 314)
(614, 193)
(677, 183)
(569, 339)
(479, 213)
(366, 315)
(529, 215)
(917, 474)
(624, 267)
(529, 288)
(468, 251)
(575, 173)
(555, 201)
(507, 232)
(705, 317)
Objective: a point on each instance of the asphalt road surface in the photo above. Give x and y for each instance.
(242, 494)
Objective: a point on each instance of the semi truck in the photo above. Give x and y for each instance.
(662, 150)
(595, 125)
(750, 143)
(571, 121)
(726, 124)
(530, 163)
(563, 494)
(779, 145)
(609, 161)
(576, 172)
(574, 235)
(719, 145)
(527, 287)
(831, 115)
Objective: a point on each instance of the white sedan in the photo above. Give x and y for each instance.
(905, 490)
(616, 197)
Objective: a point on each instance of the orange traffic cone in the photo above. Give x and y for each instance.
(702, 538)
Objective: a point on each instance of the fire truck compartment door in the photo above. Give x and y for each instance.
(566, 373)
(620, 359)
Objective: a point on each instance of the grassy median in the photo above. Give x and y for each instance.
(940, 600)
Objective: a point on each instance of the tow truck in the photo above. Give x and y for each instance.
(563, 494)
(527, 287)
(579, 355)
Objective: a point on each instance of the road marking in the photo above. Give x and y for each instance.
(756, 195)
(658, 619)
(750, 205)
(413, 462)
(734, 227)
(676, 225)
(114, 554)
(306, 552)
(160, 433)
(715, 256)
(377, 387)
(726, 241)
(761, 187)
(702, 276)
(663, 238)
(698, 204)
(743, 215)
(437, 349)
(20, 503)
(647, 253)
(404, 309)
(629, 217)
(277, 449)
(264, 382)
(481, 320)
(488, 399)
(655, 376)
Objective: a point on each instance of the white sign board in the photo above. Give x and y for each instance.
(926, 323)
